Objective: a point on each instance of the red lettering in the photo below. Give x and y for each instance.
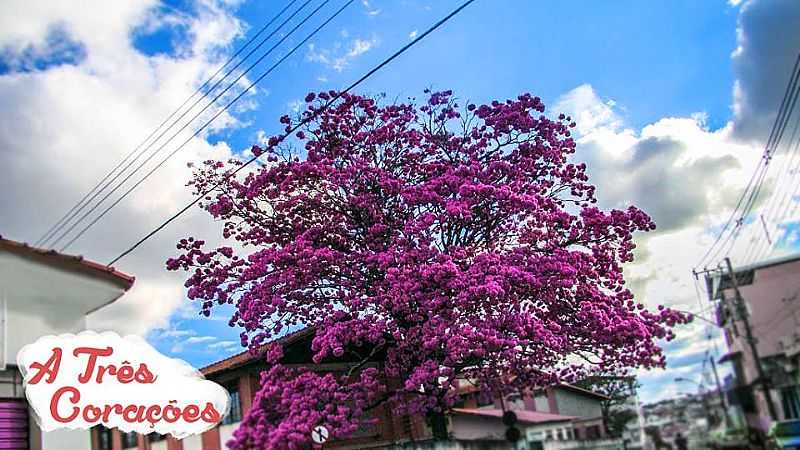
(210, 414)
(144, 376)
(93, 354)
(50, 368)
(191, 413)
(76, 396)
(153, 414)
(92, 413)
(125, 373)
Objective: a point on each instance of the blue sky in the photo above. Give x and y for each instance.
(653, 59)
(693, 83)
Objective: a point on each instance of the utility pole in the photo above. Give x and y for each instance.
(724, 404)
(742, 312)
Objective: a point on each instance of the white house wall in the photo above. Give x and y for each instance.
(572, 404)
(42, 299)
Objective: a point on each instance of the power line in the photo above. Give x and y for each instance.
(77, 207)
(782, 198)
(753, 187)
(755, 242)
(298, 125)
(792, 101)
(197, 132)
(758, 175)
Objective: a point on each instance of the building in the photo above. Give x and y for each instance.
(697, 417)
(552, 417)
(44, 292)
(769, 306)
(573, 408)
(240, 374)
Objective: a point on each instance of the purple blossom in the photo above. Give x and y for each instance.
(454, 251)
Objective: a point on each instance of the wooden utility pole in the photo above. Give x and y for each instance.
(743, 315)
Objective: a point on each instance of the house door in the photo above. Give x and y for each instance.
(13, 424)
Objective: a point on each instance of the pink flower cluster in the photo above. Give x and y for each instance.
(458, 243)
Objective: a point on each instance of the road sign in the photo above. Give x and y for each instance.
(320, 434)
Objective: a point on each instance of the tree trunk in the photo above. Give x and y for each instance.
(438, 423)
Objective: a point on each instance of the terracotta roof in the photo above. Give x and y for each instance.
(244, 357)
(580, 390)
(68, 262)
(522, 415)
(470, 388)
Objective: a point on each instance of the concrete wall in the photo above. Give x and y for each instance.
(454, 445)
(773, 304)
(470, 428)
(541, 403)
(194, 442)
(40, 300)
(226, 433)
(574, 404)
(604, 444)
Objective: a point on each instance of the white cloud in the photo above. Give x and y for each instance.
(178, 347)
(763, 63)
(224, 345)
(686, 176)
(413, 35)
(295, 105)
(64, 127)
(339, 56)
(371, 11)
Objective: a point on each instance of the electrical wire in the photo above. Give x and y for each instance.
(198, 131)
(753, 187)
(93, 192)
(327, 105)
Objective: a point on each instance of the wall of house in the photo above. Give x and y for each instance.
(600, 444)
(453, 445)
(11, 383)
(541, 403)
(773, 304)
(42, 300)
(575, 404)
(226, 433)
(773, 301)
(194, 442)
(548, 431)
(472, 428)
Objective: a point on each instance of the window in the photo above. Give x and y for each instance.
(790, 399)
(155, 437)
(104, 439)
(130, 440)
(235, 414)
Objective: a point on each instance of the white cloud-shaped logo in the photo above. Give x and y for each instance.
(80, 381)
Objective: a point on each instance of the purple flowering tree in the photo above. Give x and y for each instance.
(458, 243)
